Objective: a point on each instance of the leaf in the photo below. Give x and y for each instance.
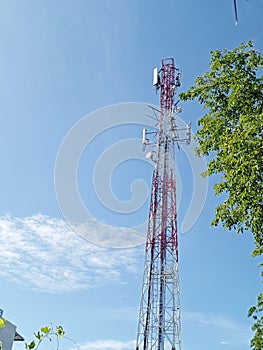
(45, 330)
(60, 331)
(32, 345)
(38, 335)
(2, 322)
(251, 311)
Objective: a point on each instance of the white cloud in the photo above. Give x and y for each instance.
(43, 253)
(108, 345)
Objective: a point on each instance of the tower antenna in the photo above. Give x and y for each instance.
(235, 9)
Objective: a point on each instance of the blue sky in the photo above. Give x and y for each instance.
(61, 61)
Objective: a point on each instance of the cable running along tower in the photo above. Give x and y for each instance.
(159, 326)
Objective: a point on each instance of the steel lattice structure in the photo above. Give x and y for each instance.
(159, 326)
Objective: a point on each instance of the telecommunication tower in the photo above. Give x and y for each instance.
(159, 326)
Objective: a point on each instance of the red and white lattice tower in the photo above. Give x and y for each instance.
(159, 326)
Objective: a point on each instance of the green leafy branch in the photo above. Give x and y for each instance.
(48, 332)
(256, 313)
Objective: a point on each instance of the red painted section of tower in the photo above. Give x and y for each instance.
(168, 84)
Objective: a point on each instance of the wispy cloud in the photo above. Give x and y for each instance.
(43, 253)
(108, 345)
(221, 321)
(231, 330)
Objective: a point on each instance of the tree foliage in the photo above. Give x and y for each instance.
(255, 312)
(230, 134)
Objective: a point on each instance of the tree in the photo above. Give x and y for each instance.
(230, 135)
